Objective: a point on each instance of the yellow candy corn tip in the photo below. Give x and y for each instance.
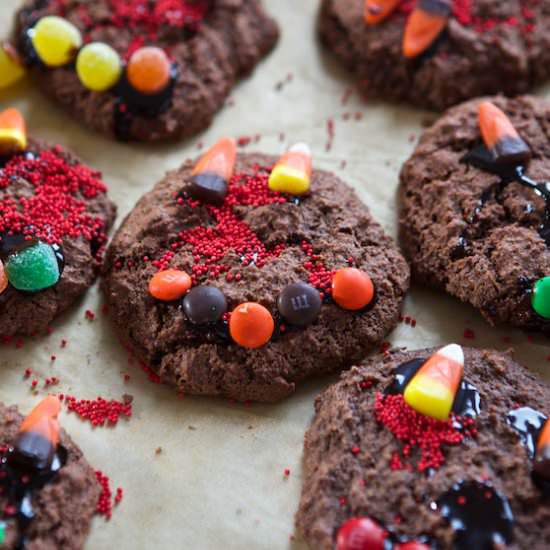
(12, 137)
(429, 398)
(285, 179)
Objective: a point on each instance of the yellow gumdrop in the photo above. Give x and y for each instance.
(429, 397)
(55, 40)
(98, 66)
(286, 179)
(11, 68)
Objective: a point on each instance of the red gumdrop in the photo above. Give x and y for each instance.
(413, 545)
(360, 534)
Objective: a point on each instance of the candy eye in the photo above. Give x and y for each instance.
(34, 267)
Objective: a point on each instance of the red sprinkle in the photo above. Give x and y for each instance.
(416, 430)
(469, 334)
(100, 411)
(104, 505)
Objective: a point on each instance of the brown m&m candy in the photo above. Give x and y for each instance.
(204, 304)
(38, 435)
(251, 325)
(169, 285)
(541, 464)
(500, 136)
(299, 304)
(352, 288)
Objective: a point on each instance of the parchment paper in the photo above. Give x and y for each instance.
(219, 482)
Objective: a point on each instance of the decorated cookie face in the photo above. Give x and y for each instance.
(258, 264)
(476, 210)
(438, 53)
(53, 215)
(34, 455)
(140, 70)
(420, 450)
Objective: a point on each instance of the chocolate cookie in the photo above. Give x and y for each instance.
(49, 492)
(149, 70)
(385, 476)
(437, 53)
(54, 215)
(285, 284)
(476, 225)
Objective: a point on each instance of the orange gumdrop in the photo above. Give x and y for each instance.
(352, 288)
(169, 285)
(377, 10)
(251, 325)
(494, 124)
(219, 159)
(421, 30)
(42, 420)
(149, 70)
(3, 278)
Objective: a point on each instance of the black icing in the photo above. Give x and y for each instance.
(480, 516)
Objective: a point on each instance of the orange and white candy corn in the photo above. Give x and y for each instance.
(39, 433)
(292, 173)
(377, 10)
(210, 176)
(541, 465)
(13, 132)
(500, 136)
(424, 25)
(433, 388)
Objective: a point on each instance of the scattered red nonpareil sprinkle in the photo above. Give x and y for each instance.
(355, 450)
(151, 374)
(57, 206)
(89, 315)
(342, 501)
(243, 141)
(63, 343)
(100, 411)
(469, 334)
(413, 429)
(118, 495)
(28, 373)
(104, 505)
(286, 472)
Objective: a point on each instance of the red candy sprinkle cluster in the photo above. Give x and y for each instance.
(230, 234)
(57, 208)
(104, 505)
(416, 430)
(99, 411)
(144, 18)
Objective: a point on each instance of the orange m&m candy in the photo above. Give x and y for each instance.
(169, 285)
(352, 288)
(149, 70)
(251, 325)
(3, 279)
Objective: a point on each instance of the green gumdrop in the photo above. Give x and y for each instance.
(541, 297)
(33, 269)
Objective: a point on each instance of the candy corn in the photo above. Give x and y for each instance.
(292, 173)
(432, 390)
(210, 177)
(541, 465)
(11, 68)
(424, 25)
(3, 278)
(13, 132)
(500, 136)
(251, 325)
(39, 434)
(377, 10)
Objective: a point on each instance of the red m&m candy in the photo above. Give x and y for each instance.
(360, 534)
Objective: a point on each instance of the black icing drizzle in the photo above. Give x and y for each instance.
(480, 516)
(528, 423)
(467, 400)
(18, 480)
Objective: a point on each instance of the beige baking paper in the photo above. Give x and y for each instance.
(218, 482)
